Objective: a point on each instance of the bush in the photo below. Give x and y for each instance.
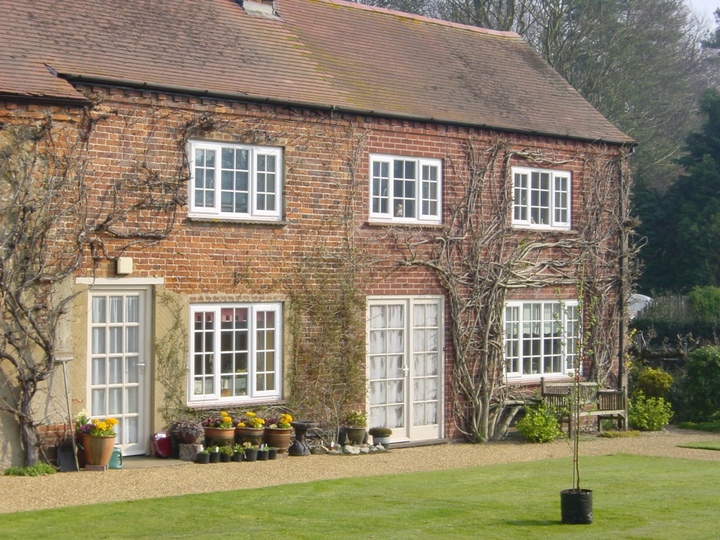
(652, 383)
(649, 414)
(540, 424)
(39, 469)
(696, 395)
(705, 302)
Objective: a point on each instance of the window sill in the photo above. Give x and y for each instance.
(213, 404)
(541, 228)
(404, 224)
(535, 378)
(236, 221)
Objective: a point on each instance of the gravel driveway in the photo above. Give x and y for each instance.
(157, 478)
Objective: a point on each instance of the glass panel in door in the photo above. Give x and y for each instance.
(425, 371)
(117, 366)
(386, 364)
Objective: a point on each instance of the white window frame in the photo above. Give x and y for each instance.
(254, 350)
(199, 208)
(527, 354)
(389, 204)
(531, 199)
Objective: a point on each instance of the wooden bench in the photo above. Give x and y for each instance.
(602, 403)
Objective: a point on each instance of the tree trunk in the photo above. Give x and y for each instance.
(28, 432)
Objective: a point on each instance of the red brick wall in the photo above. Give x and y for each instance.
(136, 133)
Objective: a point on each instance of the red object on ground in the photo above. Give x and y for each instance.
(162, 445)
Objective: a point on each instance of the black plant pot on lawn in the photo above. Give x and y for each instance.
(576, 506)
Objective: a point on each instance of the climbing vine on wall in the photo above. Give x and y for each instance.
(480, 259)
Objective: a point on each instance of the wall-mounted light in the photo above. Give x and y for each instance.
(124, 266)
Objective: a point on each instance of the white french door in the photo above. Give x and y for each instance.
(119, 368)
(405, 366)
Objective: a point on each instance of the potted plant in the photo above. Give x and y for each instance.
(226, 453)
(98, 439)
(251, 451)
(214, 454)
(381, 435)
(238, 453)
(278, 432)
(263, 453)
(576, 503)
(203, 456)
(219, 430)
(355, 423)
(189, 432)
(250, 428)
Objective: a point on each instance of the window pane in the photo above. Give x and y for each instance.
(98, 309)
(115, 372)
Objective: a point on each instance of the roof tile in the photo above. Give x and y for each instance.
(327, 53)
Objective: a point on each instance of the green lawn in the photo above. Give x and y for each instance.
(634, 497)
(703, 445)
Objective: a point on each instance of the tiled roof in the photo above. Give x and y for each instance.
(325, 53)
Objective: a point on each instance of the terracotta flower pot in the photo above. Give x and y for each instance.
(279, 438)
(252, 435)
(219, 436)
(98, 449)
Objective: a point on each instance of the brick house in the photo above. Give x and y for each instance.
(302, 145)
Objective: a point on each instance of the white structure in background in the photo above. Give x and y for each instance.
(637, 303)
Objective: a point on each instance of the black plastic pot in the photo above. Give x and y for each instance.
(576, 506)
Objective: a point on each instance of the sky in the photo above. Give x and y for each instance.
(705, 8)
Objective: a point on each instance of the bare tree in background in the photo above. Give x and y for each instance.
(639, 62)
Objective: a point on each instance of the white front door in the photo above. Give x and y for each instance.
(405, 366)
(118, 370)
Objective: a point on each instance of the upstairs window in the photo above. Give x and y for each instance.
(405, 190)
(234, 181)
(541, 338)
(541, 198)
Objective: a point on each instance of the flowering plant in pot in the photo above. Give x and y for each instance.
(222, 421)
(219, 429)
(98, 439)
(283, 421)
(251, 420)
(250, 428)
(278, 432)
(100, 428)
